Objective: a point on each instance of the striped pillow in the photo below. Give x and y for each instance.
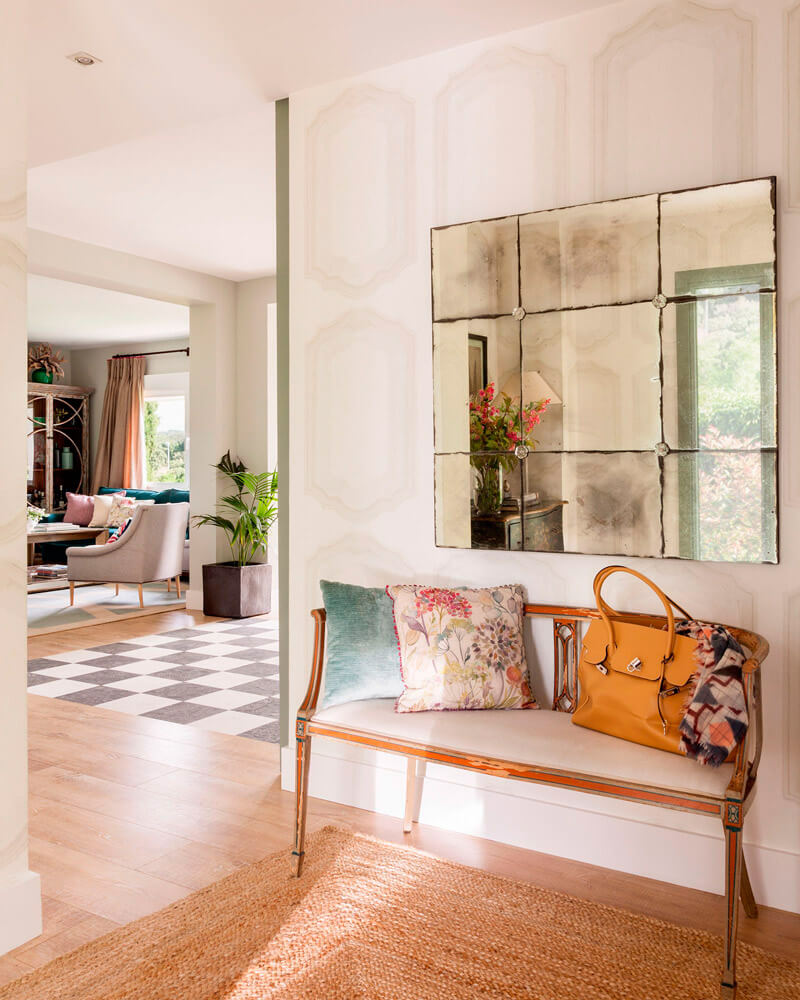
(116, 533)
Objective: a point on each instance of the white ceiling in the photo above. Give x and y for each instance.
(201, 196)
(166, 148)
(74, 316)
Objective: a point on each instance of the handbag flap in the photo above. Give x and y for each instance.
(639, 652)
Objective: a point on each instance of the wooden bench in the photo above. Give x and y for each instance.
(545, 747)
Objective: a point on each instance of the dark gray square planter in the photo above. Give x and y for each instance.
(233, 591)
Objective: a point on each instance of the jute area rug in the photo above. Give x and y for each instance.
(372, 921)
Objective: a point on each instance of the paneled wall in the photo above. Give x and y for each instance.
(628, 99)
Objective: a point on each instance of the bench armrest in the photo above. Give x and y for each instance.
(309, 704)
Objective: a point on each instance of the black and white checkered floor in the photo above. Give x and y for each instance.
(221, 676)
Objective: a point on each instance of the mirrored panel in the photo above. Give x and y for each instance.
(721, 506)
(475, 269)
(479, 501)
(599, 371)
(719, 373)
(589, 255)
(603, 503)
(476, 371)
(729, 228)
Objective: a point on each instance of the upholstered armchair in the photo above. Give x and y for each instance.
(150, 549)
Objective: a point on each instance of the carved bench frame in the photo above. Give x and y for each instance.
(731, 807)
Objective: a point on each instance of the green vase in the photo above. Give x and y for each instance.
(40, 375)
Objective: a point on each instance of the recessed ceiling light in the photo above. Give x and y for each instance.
(84, 58)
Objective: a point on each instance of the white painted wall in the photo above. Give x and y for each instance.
(648, 98)
(212, 324)
(90, 368)
(20, 894)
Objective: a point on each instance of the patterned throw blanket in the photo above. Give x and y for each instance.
(716, 714)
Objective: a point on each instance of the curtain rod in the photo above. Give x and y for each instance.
(149, 354)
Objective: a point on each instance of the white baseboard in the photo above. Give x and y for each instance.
(683, 850)
(20, 910)
(194, 599)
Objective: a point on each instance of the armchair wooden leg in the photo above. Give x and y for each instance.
(411, 793)
(748, 899)
(178, 586)
(301, 796)
(169, 585)
(733, 888)
(141, 596)
(116, 590)
(71, 593)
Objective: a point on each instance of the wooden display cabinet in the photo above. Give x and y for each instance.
(58, 443)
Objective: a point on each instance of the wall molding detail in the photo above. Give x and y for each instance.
(495, 80)
(379, 223)
(361, 364)
(728, 39)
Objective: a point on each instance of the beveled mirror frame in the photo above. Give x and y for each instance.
(632, 263)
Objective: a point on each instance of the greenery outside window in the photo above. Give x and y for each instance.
(726, 424)
(166, 432)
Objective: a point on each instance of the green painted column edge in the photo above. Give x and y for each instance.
(283, 381)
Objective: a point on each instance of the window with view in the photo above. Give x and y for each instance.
(166, 452)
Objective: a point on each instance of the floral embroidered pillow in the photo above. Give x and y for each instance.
(461, 649)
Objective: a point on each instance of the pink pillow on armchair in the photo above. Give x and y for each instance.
(80, 509)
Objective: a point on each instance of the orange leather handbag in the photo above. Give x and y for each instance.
(634, 679)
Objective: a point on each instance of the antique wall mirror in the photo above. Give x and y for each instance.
(648, 323)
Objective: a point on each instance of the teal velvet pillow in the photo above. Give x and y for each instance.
(363, 658)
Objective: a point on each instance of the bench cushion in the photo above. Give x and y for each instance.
(545, 738)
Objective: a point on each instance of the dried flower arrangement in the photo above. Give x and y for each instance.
(42, 357)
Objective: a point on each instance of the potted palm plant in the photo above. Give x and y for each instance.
(241, 587)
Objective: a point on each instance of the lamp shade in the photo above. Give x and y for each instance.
(534, 388)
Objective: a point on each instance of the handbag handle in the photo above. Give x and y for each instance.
(607, 612)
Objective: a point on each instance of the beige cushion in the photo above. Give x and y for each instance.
(122, 508)
(102, 506)
(545, 738)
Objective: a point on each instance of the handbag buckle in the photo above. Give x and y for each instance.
(635, 665)
(602, 668)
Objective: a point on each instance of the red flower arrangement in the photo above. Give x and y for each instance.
(497, 425)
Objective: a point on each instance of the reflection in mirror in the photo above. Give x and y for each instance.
(590, 255)
(459, 482)
(721, 506)
(475, 269)
(624, 354)
(608, 504)
(723, 227)
(468, 356)
(719, 373)
(602, 366)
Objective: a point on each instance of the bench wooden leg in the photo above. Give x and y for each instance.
(733, 890)
(301, 796)
(411, 793)
(748, 899)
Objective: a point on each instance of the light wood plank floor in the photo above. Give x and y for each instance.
(128, 814)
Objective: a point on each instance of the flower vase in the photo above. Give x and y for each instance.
(488, 488)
